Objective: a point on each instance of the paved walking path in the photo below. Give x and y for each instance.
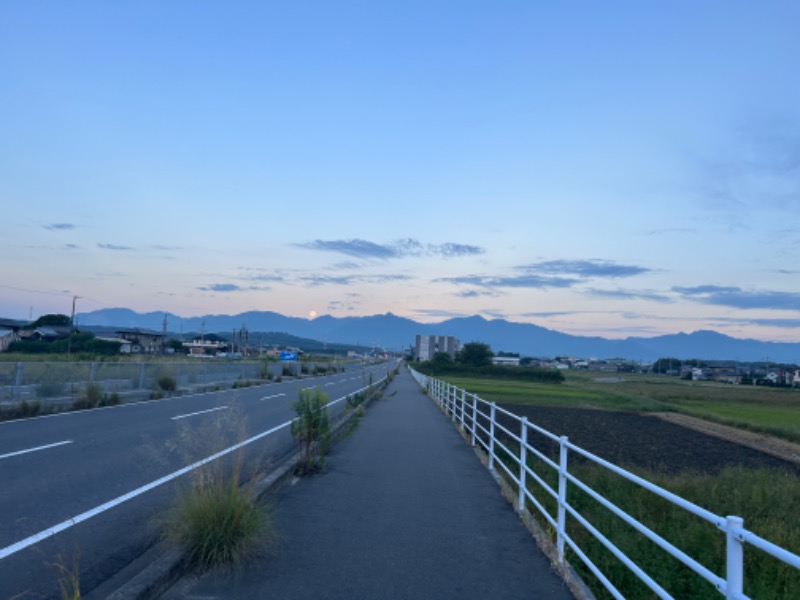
(404, 510)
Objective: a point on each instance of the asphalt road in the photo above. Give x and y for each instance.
(55, 468)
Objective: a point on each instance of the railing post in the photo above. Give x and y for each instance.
(141, 375)
(474, 418)
(463, 406)
(562, 498)
(491, 436)
(523, 457)
(92, 367)
(734, 571)
(454, 392)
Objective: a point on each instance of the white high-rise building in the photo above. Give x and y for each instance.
(428, 345)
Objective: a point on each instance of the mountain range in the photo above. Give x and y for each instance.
(395, 333)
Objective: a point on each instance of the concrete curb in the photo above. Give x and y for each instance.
(169, 564)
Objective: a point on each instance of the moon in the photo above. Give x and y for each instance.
(312, 314)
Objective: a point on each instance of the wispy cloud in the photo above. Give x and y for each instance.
(736, 297)
(477, 293)
(438, 313)
(563, 313)
(782, 323)
(221, 287)
(761, 170)
(630, 295)
(518, 281)
(114, 247)
(365, 249)
(60, 227)
(319, 280)
(593, 268)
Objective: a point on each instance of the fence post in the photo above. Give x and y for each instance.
(92, 367)
(523, 457)
(734, 571)
(491, 436)
(562, 499)
(18, 379)
(463, 406)
(141, 375)
(474, 418)
(454, 392)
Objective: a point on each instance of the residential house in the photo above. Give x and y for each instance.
(142, 341)
(7, 337)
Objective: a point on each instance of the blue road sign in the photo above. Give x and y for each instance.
(288, 355)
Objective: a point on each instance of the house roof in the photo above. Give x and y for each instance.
(138, 331)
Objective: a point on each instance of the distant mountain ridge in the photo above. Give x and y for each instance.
(393, 332)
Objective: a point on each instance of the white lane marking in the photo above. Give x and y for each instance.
(273, 396)
(200, 412)
(84, 516)
(10, 454)
(330, 383)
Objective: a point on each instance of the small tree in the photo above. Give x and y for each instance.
(311, 428)
(475, 354)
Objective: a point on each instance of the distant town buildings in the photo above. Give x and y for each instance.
(428, 345)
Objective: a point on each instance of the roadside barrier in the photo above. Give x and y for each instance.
(478, 419)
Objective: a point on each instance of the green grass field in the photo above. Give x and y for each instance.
(770, 410)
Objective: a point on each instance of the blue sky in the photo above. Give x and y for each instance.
(606, 168)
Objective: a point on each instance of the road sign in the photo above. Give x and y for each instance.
(286, 356)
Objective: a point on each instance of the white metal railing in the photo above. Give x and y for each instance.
(463, 407)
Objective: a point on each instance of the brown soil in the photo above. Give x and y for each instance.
(664, 442)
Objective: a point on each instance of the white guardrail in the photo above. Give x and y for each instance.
(463, 407)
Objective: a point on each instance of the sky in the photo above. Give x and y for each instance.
(615, 168)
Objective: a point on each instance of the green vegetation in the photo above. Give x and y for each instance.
(475, 360)
(78, 343)
(91, 397)
(215, 520)
(69, 583)
(22, 410)
(311, 428)
(757, 408)
(167, 382)
(770, 499)
(218, 523)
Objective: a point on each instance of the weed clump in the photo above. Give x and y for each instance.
(215, 520)
(219, 524)
(91, 397)
(167, 382)
(311, 428)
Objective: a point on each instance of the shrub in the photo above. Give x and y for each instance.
(48, 389)
(311, 427)
(167, 382)
(218, 523)
(92, 397)
(111, 400)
